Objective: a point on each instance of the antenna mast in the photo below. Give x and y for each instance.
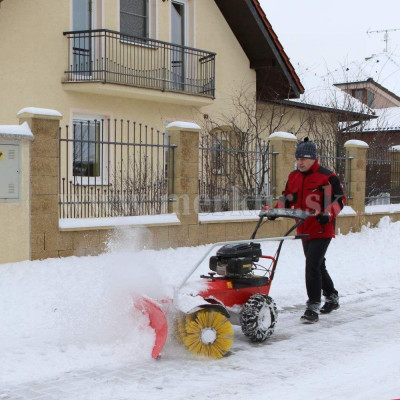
(385, 36)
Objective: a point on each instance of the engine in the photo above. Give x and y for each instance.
(235, 260)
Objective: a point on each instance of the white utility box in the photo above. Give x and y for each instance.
(9, 171)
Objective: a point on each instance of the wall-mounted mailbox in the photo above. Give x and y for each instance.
(9, 171)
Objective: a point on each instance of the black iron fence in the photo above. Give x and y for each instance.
(333, 156)
(108, 56)
(382, 176)
(235, 172)
(112, 168)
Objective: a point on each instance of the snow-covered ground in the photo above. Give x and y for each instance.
(68, 331)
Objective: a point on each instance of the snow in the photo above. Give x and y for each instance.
(82, 223)
(240, 215)
(183, 125)
(320, 91)
(283, 135)
(388, 120)
(354, 142)
(395, 148)
(383, 68)
(68, 328)
(39, 111)
(16, 131)
(347, 210)
(382, 208)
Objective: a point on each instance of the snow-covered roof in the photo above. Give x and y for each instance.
(388, 120)
(383, 68)
(320, 91)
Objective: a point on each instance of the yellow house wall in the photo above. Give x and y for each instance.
(14, 214)
(300, 122)
(34, 57)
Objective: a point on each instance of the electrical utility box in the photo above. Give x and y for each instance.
(9, 171)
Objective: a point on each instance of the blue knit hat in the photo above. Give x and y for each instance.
(306, 149)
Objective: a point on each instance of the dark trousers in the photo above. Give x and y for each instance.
(317, 277)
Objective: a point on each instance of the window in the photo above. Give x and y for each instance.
(370, 99)
(365, 96)
(218, 157)
(134, 17)
(87, 157)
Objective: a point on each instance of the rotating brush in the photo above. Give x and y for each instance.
(209, 334)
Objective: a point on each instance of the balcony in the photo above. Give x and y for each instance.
(104, 56)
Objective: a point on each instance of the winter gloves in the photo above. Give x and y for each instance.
(323, 218)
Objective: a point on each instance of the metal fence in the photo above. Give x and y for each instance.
(333, 156)
(108, 56)
(234, 172)
(382, 176)
(111, 168)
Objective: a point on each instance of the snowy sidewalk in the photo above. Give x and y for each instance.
(355, 342)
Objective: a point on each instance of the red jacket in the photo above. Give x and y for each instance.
(317, 190)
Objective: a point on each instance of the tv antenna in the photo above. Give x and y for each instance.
(385, 36)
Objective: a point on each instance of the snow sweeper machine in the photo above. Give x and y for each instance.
(234, 292)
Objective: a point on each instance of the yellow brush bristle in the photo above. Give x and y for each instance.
(180, 330)
(208, 319)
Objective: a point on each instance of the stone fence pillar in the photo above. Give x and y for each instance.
(284, 145)
(356, 174)
(44, 166)
(15, 141)
(185, 182)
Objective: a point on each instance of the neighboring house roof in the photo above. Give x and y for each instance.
(382, 69)
(276, 76)
(388, 120)
(321, 95)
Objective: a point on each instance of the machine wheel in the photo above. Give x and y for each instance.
(208, 332)
(258, 317)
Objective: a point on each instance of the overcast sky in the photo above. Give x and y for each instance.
(323, 34)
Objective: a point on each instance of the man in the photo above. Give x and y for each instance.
(316, 189)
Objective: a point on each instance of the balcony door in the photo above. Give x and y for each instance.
(83, 17)
(178, 38)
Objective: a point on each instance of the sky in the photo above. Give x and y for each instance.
(325, 35)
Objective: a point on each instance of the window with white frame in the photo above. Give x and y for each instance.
(87, 154)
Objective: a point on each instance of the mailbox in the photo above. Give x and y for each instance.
(9, 171)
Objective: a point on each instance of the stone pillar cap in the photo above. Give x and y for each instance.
(35, 112)
(282, 135)
(183, 126)
(17, 132)
(356, 143)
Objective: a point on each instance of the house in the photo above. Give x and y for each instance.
(133, 83)
(118, 72)
(375, 81)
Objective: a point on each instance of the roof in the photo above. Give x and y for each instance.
(381, 69)
(321, 95)
(388, 121)
(276, 76)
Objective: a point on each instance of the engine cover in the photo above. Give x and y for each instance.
(235, 259)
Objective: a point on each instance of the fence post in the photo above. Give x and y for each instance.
(395, 174)
(356, 174)
(284, 147)
(44, 164)
(186, 171)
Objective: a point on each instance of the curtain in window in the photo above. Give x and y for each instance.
(134, 17)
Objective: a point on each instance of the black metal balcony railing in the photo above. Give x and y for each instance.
(111, 57)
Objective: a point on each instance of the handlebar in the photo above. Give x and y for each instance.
(285, 213)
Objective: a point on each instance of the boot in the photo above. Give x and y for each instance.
(311, 314)
(331, 303)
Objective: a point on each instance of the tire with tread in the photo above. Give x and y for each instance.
(258, 317)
